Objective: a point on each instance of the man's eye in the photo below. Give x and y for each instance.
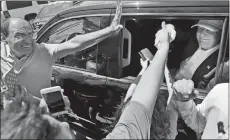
(19, 35)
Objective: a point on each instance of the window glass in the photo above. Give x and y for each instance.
(51, 10)
(42, 2)
(90, 59)
(17, 4)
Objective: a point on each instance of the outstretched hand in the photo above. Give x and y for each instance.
(115, 25)
(165, 35)
(184, 90)
(162, 36)
(45, 108)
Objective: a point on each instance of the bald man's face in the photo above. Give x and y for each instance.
(20, 37)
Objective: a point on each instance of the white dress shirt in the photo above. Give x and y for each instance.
(189, 66)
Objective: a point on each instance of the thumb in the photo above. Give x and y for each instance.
(163, 25)
(196, 92)
(120, 26)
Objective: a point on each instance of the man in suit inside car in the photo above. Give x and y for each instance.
(201, 53)
(199, 59)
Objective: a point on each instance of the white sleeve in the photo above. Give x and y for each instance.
(192, 116)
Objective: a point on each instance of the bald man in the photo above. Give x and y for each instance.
(29, 64)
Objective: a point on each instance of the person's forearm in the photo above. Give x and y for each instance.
(147, 90)
(191, 115)
(82, 42)
(133, 85)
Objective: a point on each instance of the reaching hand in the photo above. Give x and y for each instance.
(21, 97)
(166, 34)
(144, 64)
(65, 98)
(115, 25)
(162, 36)
(184, 90)
(22, 94)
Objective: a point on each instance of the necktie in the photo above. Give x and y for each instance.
(10, 81)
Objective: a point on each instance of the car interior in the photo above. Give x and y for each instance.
(143, 35)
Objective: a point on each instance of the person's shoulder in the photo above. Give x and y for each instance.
(43, 46)
(219, 91)
(39, 46)
(221, 87)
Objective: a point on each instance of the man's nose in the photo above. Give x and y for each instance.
(28, 41)
(202, 33)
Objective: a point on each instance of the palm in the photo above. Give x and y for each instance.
(116, 21)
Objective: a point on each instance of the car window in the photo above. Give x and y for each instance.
(51, 10)
(63, 31)
(181, 62)
(42, 2)
(17, 4)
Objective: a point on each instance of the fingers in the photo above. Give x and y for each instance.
(183, 88)
(120, 27)
(196, 92)
(117, 16)
(119, 10)
(44, 106)
(190, 87)
(172, 32)
(66, 100)
(157, 40)
(163, 25)
(141, 61)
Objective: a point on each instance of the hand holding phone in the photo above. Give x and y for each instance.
(54, 99)
(146, 54)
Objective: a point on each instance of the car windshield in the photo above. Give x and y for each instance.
(52, 10)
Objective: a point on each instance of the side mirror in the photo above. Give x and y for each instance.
(126, 47)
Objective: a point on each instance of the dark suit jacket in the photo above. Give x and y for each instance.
(206, 66)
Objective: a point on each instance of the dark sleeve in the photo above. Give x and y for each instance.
(134, 123)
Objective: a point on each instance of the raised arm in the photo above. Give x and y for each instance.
(133, 86)
(82, 42)
(147, 90)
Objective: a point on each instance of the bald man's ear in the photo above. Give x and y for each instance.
(3, 37)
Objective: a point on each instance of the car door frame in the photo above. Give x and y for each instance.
(165, 15)
(62, 71)
(125, 82)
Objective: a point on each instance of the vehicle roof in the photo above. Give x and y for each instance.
(102, 7)
(93, 5)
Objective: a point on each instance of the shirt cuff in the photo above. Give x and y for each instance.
(184, 105)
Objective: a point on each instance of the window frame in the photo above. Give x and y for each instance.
(222, 51)
(203, 92)
(75, 18)
(17, 3)
(165, 15)
(39, 2)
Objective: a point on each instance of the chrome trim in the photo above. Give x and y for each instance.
(175, 14)
(223, 47)
(143, 14)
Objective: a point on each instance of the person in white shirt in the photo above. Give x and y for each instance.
(209, 117)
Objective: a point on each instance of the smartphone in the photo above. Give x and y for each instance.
(53, 97)
(146, 54)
